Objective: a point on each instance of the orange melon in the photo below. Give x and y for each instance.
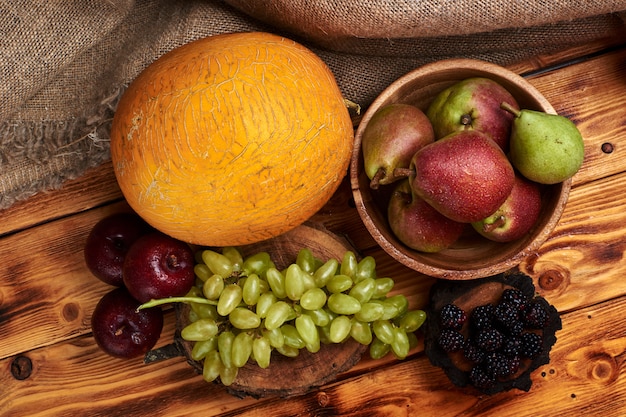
(231, 139)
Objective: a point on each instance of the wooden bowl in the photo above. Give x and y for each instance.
(288, 377)
(472, 256)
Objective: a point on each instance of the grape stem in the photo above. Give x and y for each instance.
(184, 299)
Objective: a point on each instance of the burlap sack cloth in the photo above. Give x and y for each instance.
(64, 64)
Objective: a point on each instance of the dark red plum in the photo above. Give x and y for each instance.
(108, 242)
(120, 329)
(158, 266)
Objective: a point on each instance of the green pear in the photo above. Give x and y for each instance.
(545, 148)
(391, 138)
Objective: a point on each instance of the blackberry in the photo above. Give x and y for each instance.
(452, 317)
(515, 296)
(489, 339)
(536, 316)
(473, 353)
(506, 315)
(517, 329)
(531, 346)
(497, 364)
(482, 317)
(512, 346)
(480, 378)
(451, 340)
(514, 363)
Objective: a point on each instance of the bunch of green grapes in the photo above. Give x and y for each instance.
(244, 309)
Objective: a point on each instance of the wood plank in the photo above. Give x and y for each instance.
(97, 187)
(74, 377)
(591, 94)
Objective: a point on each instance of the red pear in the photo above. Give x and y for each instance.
(516, 216)
(465, 176)
(391, 138)
(417, 224)
(473, 104)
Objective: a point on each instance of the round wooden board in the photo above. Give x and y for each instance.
(287, 377)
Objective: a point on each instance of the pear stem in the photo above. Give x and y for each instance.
(375, 182)
(399, 173)
(506, 106)
(498, 222)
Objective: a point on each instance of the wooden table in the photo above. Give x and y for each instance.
(50, 364)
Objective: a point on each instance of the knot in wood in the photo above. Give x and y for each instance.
(322, 399)
(551, 279)
(21, 367)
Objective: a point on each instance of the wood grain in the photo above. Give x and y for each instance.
(47, 295)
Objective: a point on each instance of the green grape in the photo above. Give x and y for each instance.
(201, 329)
(324, 273)
(343, 304)
(202, 271)
(193, 316)
(366, 268)
(294, 285)
(379, 349)
(234, 256)
(348, 264)
(217, 262)
(306, 261)
(412, 320)
(401, 303)
(339, 283)
(276, 280)
(313, 299)
(212, 366)
(251, 290)
(277, 314)
(308, 281)
(225, 347)
(363, 290)
(370, 312)
(257, 264)
(266, 300)
(262, 351)
(204, 311)
(241, 349)
(229, 299)
(292, 337)
(320, 316)
(308, 330)
(275, 337)
(339, 329)
(244, 319)
(400, 345)
(288, 351)
(194, 292)
(383, 329)
(389, 309)
(228, 375)
(361, 332)
(324, 332)
(263, 286)
(213, 287)
(383, 286)
(201, 348)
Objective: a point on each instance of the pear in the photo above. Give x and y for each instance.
(465, 176)
(517, 215)
(473, 104)
(391, 138)
(417, 224)
(545, 148)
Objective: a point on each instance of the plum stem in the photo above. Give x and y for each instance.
(506, 106)
(184, 299)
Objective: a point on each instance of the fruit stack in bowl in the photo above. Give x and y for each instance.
(461, 168)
